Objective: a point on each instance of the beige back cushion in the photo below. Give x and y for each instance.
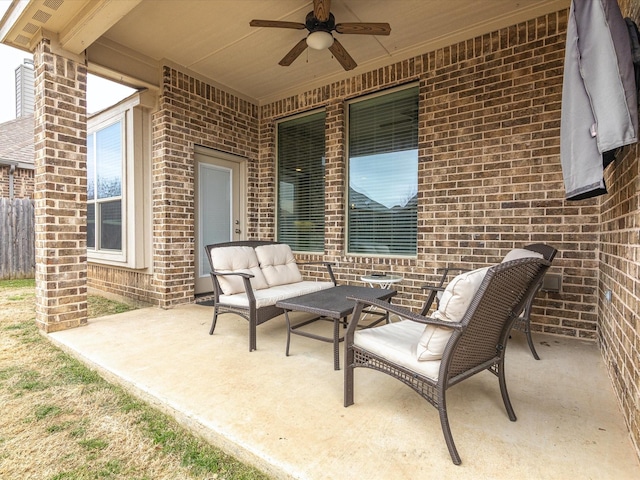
(237, 259)
(518, 253)
(278, 264)
(455, 301)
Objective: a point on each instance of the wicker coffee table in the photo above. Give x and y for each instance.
(330, 304)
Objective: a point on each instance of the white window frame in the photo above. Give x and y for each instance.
(134, 113)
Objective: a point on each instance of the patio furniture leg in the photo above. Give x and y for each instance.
(335, 339)
(286, 316)
(446, 429)
(530, 341)
(215, 318)
(252, 334)
(503, 390)
(350, 356)
(348, 377)
(336, 343)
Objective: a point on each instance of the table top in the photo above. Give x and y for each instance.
(333, 302)
(382, 278)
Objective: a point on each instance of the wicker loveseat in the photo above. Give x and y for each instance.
(249, 277)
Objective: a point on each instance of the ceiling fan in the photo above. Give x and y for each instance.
(320, 23)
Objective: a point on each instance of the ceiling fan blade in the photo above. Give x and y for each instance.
(294, 53)
(364, 28)
(342, 56)
(277, 24)
(321, 9)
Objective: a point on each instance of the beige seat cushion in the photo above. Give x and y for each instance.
(396, 342)
(269, 296)
(455, 301)
(239, 260)
(278, 264)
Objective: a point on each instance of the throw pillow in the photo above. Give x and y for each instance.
(455, 301)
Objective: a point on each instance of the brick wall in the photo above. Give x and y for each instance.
(619, 328)
(60, 190)
(264, 210)
(126, 285)
(489, 169)
(191, 112)
(22, 183)
(619, 262)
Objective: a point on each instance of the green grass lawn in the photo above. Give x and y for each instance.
(61, 420)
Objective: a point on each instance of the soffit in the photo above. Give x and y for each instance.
(213, 39)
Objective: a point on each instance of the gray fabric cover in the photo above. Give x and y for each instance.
(599, 99)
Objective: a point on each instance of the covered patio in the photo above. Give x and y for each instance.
(474, 92)
(285, 414)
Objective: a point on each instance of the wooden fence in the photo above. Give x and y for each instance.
(17, 238)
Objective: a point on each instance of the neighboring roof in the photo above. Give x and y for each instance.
(16, 142)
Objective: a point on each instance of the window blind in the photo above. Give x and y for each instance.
(300, 212)
(383, 174)
(104, 188)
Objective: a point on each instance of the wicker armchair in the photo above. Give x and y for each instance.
(523, 322)
(475, 343)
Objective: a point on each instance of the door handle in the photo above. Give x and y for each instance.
(237, 230)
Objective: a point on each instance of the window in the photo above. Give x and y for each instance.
(383, 174)
(301, 182)
(118, 183)
(104, 188)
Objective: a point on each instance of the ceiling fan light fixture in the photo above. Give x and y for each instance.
(320, 23)
(319, 40)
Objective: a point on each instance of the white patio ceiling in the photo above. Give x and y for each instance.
(213, 39)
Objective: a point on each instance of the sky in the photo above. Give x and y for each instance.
(100, 93)
(10, 59)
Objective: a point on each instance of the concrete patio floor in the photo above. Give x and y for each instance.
(285, 414)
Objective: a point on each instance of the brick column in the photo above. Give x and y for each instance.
(173, 198)
(60, 189)
(335, 175)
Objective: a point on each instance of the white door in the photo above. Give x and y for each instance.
(218, 204)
